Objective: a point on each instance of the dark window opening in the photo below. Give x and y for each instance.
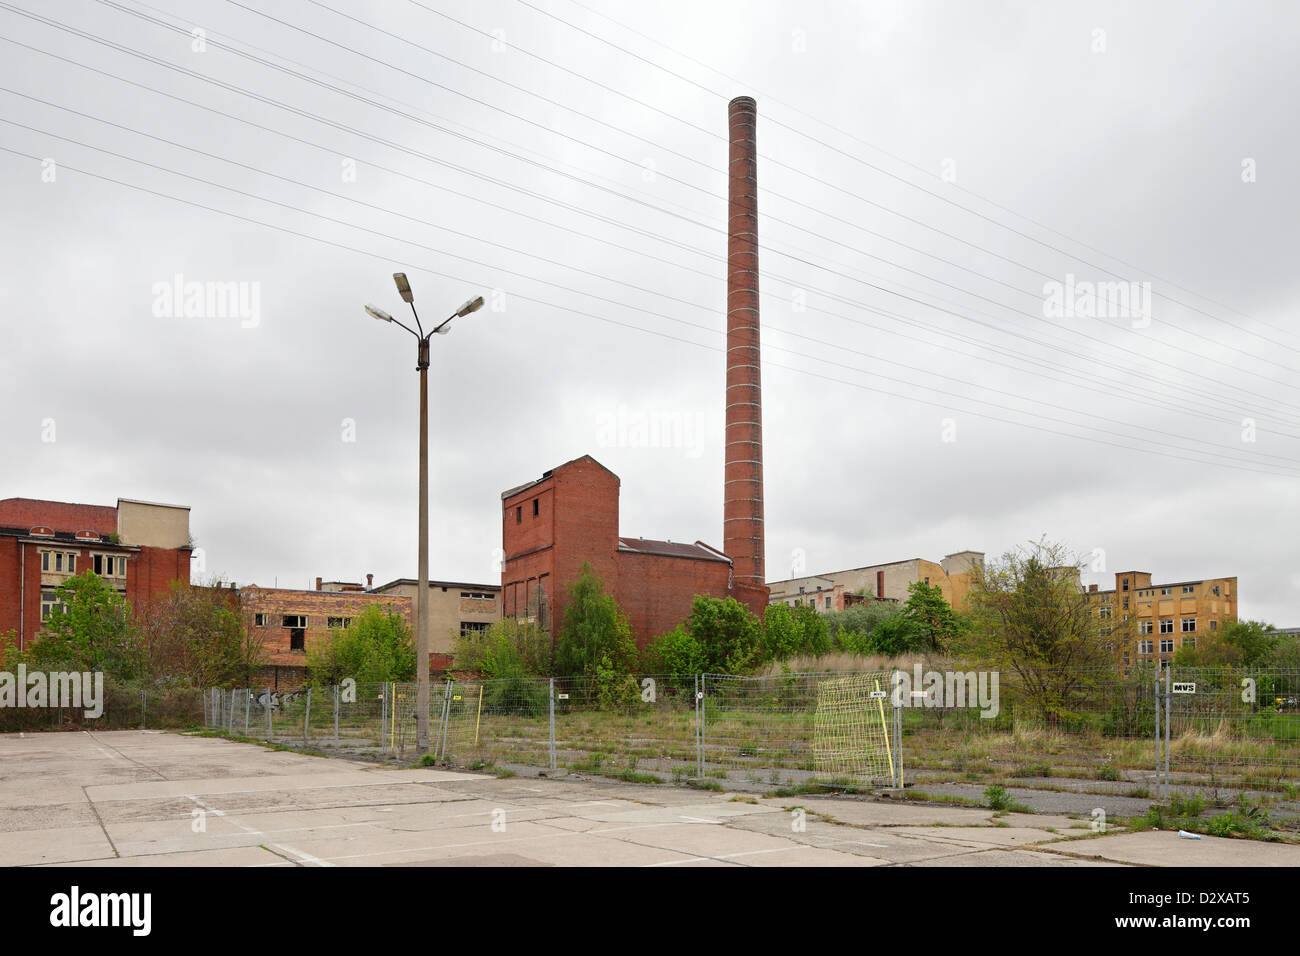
(535, 509)
(99, 564)
(519, 514)
(297, 639)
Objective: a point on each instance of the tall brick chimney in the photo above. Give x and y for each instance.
(742, 531)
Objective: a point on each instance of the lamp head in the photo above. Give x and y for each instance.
(403, 287)
(377, 313)
(473, 305)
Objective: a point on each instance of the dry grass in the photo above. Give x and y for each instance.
(842, 661)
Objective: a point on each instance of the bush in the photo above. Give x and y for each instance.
(729, 634)
(377, 647)
(679, 654)
(997, 798)
(508, 648)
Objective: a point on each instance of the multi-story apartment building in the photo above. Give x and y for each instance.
(1158, 619)
(836, 590)
(139, 548)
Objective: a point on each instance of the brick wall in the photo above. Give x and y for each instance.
(317, 606)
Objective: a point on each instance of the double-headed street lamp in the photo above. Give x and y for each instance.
(422, 583)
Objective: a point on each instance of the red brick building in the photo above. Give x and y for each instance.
(569, 516)
(138, 548)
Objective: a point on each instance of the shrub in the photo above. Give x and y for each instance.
(678, 654)
(595, 632)
(997, 798)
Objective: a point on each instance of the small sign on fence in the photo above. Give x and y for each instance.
(561, 696)
(1188, 687)
(884, 693)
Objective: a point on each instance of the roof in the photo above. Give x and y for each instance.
(698, 551)
(440, 584)
(510, 493)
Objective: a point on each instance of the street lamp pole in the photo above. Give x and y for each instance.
(422, 570)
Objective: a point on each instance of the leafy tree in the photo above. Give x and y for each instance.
(1246, 643)
(92, 629)
(595, 632)
(727, 631)
(1031, 617)
(508, 648)
(933, 620)
(788, 632)
(678, 653)
(853, 627)
(896, 635)
(376, 647)
(195, 634)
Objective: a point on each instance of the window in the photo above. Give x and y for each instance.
(1189, 641)
(58, 561)
(1216, 590)
(1126, 584)
(478, 596)
(260, 619)
(1166, 645)
(535, 511)
(1214, 625)
(1189, 588)
(1165, 591)
(1105, 599)
(72, 564)
(1104, 613)
(1126, 600)
(1144, 647)
(45, 560)
(1167, 626)
(519, 514)
(473, 628)
(828, 604)
(1189, 625)
(1144, 627)
(297, 639)
(49, 603)
(293, 620)
(338, 622)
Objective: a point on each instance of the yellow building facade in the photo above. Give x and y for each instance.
(1159, 619)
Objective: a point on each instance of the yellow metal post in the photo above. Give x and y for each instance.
(889, 753)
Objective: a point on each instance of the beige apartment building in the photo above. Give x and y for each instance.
(836, 590)
(1164, 617)
(454, 608)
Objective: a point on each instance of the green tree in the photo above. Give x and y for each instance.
(788, 632)
(1246, 643)
(595, 633)
(1031, 617)
(933, 620)
(728, 632)
(92, 629)
(853, 627)
(376, 647)
(678, 654)
(196, 635)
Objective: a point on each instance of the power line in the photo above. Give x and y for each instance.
(621, 304)
(917, 186)
(809, 262)
(307, 114)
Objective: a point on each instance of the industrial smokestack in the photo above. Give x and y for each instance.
(742, 530)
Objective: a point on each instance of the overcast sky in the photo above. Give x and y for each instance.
(926, 170)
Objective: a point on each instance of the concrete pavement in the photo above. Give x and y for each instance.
(143, 798)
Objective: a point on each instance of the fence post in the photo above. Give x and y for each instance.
(270, 727)
(144, 704)
(1158, 737)
(230, 718)
(336, 713)
(247, 707)
(552, 708)
(1169, 696)
(306, 719)
(699, 753)
(898, 726)
(444, 720)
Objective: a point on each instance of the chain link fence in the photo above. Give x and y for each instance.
(1231, 734)
(123, 707)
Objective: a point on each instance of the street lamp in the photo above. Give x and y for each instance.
(422, 572)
